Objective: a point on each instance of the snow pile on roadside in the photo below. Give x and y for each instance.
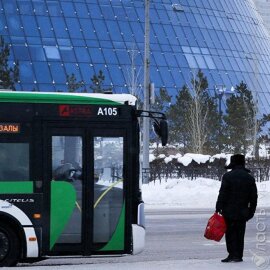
(198, 158)
(198, 193)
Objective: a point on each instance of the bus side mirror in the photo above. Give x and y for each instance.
(161, 129)
(164, 132)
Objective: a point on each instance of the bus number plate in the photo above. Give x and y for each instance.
(107, 111)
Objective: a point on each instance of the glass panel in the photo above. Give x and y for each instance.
(30, 26)
(114, 31)
(82, 10)
(59, 27)
(107, 12)
(3, 27)
(108, 190)
(45, 26)
(101, 30)
(52, 52)
(14, 25)
(200, 61)
(54, 8)
(58, 72)
(74, 28)
(42, 72)
(209, 61)
(68, 9)
(26, 72)
(10, 6)
(21, 52)
(87, 29)
(14, 162)
(40, 7)
(191, 61)
(94, 11)
(37, 53)
(67, 168)
(67, 54)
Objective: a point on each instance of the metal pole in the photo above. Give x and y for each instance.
(146, 107)
(220, 121)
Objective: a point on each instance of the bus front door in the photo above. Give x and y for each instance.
(86, 191)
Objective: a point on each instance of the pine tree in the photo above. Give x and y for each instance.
(98, 83)
(9, 76)
(178, 118)
(72, 83)
(264, 137)
(162, 104)
(240, 118)
(215, 127)
(162, 101)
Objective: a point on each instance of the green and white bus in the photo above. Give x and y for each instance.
(69, 175)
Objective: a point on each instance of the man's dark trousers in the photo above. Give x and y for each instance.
(234, 237)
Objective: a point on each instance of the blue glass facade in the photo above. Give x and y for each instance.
(53, 38)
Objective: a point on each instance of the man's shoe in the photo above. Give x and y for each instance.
(228, 259)
(231, 259)
(237, 260)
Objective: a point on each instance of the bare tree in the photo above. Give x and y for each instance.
(198, 113)
(133, 76)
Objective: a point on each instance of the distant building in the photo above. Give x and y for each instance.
(53, 39)
(263, 7)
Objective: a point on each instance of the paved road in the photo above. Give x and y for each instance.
(178, 235)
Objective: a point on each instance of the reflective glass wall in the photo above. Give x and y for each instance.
(55, 38)
(263, 7)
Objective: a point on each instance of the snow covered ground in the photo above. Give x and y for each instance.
(199, 193)
(215, 264)
(175, 193)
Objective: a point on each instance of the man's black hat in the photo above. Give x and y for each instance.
(236, 160)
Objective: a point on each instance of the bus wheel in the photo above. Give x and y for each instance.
(9, 246)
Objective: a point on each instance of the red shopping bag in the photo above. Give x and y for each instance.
(216, 227)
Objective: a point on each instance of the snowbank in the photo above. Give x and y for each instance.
(199, 193)
(189, 157)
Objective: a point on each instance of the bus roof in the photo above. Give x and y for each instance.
(67, 98)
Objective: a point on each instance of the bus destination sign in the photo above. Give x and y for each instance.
(87, 111)
(10, 128)
(75, 110)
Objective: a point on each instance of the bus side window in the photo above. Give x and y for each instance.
(67, 167)
(67, 158)
(108, 188)
(14, 162)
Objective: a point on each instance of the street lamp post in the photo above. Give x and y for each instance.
(146, 107)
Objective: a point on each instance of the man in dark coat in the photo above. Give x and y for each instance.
(237, 202)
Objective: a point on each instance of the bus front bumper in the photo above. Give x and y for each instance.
(138, 236)
(138, 231)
